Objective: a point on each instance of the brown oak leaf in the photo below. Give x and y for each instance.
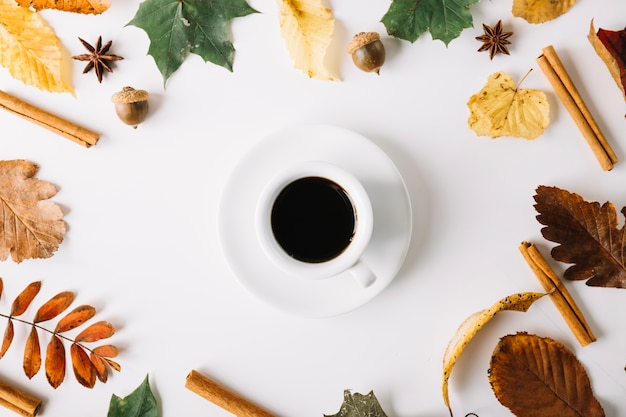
(587, 234)
(30, 225)
(537, 376)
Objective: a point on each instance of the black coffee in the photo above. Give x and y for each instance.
(313, 219)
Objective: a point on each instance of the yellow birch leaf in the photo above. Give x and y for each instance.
(468, 329)
(502, 109)
(307, 28)
(540, 11)
(29, 49)
(75, 6)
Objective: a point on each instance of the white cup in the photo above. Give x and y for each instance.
(303, 222)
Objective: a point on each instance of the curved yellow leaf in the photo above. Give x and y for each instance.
(501, 109)
(540, 11)
(468, 329)
(29, 49)
(75, 6)
(307, 28)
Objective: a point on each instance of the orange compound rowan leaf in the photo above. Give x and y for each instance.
(23, 300)
(75, 318)
(32, 354)
(95, 332)
(99, 358)
(55, 362)
(84, 371)
(7, 339)
(55, 306)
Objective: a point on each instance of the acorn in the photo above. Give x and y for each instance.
(131, 105)
(368, 52)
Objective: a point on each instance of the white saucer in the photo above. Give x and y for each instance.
(350, 151)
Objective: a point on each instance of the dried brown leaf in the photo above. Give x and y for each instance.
(1, 286)
(9, 332)
(31, 226)
(95, 332)
(74, 6)
(23, 300)
(100, 365)
(55, 306)
(114, 365)
(55, 362)
(75, 318)
(535, 376)
(84, 370)
(107, 351)
(540, 11)
(32, 354)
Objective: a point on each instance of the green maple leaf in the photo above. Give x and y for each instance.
(177, 28)
(359, 405)
(445, 19)
(139, 403)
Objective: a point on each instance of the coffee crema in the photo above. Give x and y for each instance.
(313, 219)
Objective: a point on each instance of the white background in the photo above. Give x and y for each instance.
(141, 207)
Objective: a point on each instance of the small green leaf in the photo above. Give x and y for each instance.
(445, 19)
(139, 403)
(359, 405)
(177, 28)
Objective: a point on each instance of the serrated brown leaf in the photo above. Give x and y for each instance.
(9, 332)
(84, 370)
(23, 300)
(31, 226)
(95, 332)
(587, 234)
(32, 354)
(55, 362)
(74, 6)
(535, 376)
(55, 306)
(75, 318)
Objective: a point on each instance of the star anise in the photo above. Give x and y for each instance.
(98, 57)
(495, 40)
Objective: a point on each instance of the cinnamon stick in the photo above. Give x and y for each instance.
(221, 396)
(18, 401)
(557, 75)
(54, 123)
(559, 295)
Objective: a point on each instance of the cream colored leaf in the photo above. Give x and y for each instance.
(468, 329)
(501, 109)
(75, 6)
(307, 28)
(29, 49)
(540, 11)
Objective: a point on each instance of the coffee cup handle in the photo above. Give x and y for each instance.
(362, 274)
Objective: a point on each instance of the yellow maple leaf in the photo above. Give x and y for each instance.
(501, 109)
(540, 11)
(75, 6)
(307, 28)
(29, 49)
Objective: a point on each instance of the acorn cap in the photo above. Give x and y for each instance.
(129, 95)
(362, 39)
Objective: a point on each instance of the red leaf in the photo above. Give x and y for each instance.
(23, 300)
(84, 370)
(55, 306)
(8, 338)
(32, 354)
(75, 318)
(55, 362)
(95, 332)
(615, 43)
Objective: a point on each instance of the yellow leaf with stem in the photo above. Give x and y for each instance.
(468, 329)
(307, 28)
(29, 49)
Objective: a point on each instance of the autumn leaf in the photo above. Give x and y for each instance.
(31, 226)
(587, 235)
(55, 362)
(25, 298)
(611, 48)
(538, 376)
(29, 49)
(178, 28)
(75, 318)
(84, 370)
(53, 307)
(32, 354)
(75, 6)
(540, 11)
(502, 109)
(445, 19)
(95, 332)
(357, 405)
(470, 327)
(140, 403)
(307, 28)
